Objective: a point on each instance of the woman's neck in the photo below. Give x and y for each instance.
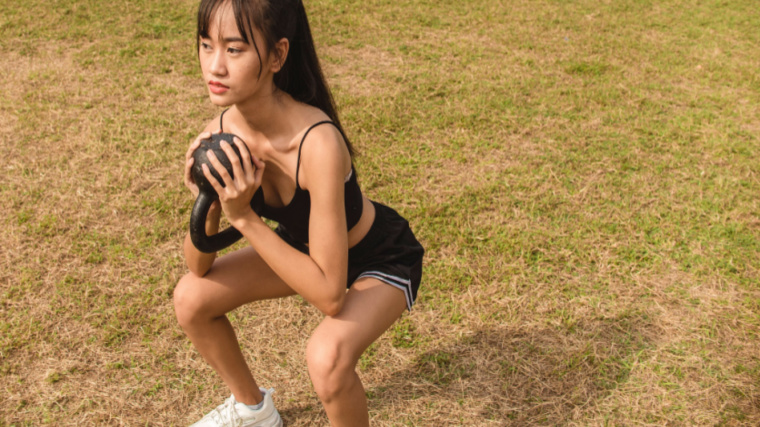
(265, 115)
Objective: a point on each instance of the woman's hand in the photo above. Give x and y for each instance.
(236, 194)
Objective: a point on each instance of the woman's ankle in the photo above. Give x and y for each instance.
(249, 396)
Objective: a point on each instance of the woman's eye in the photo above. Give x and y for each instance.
(233, 50)
(205, 46)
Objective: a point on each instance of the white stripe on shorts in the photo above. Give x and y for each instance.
(398, 282)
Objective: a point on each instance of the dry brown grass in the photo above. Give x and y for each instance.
(583, 176)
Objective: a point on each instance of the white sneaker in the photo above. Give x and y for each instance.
(232, 413)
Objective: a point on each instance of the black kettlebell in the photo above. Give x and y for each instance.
(207, 195)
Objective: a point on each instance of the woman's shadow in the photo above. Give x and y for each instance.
(526, 375)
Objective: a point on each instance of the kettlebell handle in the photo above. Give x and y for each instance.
(202, 241)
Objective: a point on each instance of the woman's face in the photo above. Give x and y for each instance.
(230, 66)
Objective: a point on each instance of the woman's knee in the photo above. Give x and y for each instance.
(331, 365)
(188, 305)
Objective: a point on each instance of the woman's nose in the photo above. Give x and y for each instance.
(218, 66)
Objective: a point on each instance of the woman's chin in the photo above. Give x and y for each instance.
(219, 101)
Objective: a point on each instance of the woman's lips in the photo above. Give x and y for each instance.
(216, 87)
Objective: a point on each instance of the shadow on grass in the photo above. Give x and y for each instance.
(518, 375)
(303, 415)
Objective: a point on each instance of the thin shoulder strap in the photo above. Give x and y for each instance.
(298, 162)
(221, 118)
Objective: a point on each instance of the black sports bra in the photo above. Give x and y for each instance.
(294, 217)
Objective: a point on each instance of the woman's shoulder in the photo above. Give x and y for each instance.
(312, 126)
(323, 149)
(215, 124)
(307, 115)
(321, 137)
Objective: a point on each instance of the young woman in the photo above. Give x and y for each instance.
(355, 260)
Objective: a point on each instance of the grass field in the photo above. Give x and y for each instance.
(584, 175)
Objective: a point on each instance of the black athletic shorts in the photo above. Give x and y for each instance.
(389, 253)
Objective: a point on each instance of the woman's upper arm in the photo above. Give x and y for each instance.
(324, 164)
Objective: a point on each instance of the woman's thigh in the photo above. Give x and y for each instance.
(235, 279)
(371, 307)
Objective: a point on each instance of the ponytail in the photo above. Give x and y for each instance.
(301, 75)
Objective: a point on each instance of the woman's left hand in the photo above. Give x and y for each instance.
(236, 194)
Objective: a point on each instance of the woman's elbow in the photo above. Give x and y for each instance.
(334, 305)
(200, 269)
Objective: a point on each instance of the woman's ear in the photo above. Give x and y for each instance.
(281, 49)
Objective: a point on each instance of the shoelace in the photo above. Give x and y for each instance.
(226, 415)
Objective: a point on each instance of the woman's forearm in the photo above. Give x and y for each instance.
(320, 288)
(199, 262)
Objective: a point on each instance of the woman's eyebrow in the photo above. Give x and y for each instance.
(234, 39)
